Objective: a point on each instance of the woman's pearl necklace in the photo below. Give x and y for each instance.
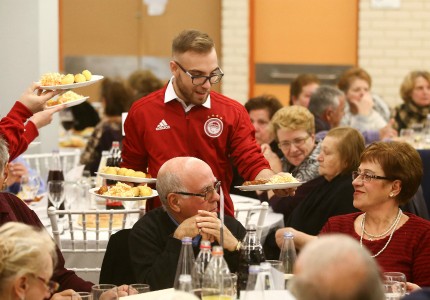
(392, 229)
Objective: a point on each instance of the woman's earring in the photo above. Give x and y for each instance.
(391, 195)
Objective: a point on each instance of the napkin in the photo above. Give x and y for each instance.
(74, 174)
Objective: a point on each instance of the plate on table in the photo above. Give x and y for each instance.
(93, 191)
(243, 202)
(266, 187)
(69, 103)
(127, 178)
(94, 78)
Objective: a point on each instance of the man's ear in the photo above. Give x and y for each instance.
(328, 115)
(5, 174)
(174, 202)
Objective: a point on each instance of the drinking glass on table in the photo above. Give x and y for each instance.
(29, 187)
(56, 193)
(397, 280)
(104, 292)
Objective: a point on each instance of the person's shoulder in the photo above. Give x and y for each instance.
(156, 96)
(344, 218)
(418, 222)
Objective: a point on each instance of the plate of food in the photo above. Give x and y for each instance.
(57, 81)
(68, 99)
(279, 181)
(104, 219)
(123, 192)
(127, 175)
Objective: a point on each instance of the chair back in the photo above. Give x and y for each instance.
(41, 161)
(246, 215)
(82, 236)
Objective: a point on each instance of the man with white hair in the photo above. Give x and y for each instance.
(335, 267)
(189, 193)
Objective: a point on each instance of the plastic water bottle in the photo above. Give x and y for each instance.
(186, 261)
(202, 261)
(217, 283)
(288, 253)
(251, 253)
(185, 284)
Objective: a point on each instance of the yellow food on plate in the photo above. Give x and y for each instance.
(282, 178)
(87, 74)
(66, 97)
(124, 190)
(80, 78)
(51, 79)
(90, 221)
(68, 79)
(124, 172)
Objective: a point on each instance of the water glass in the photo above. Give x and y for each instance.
(104, 292)
(29, 187)
(56, 193)
(407, 135)
(276, 264)
(82, 296)
(398, 278)
(234, 282)
(392, 290)
(138, 288)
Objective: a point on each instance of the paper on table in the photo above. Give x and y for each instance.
(74, 174)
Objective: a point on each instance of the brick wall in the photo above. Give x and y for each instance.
(393, 42)
(235, 49)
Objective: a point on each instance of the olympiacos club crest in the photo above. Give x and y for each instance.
(213, 127)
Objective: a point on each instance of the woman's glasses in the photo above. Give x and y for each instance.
(367, 177)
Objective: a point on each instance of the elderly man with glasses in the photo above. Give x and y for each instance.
(189, 193)
(187, 118)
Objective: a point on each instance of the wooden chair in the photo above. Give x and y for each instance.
(84, 235)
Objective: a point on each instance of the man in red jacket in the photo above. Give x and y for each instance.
(186, 118)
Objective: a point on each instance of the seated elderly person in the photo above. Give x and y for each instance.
(188, 191)
(336, 267)
(27, 258)
(327, 105)
(388, 176)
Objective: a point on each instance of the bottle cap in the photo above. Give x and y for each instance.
(251, 227)
(254, 269)
(288, 234)
(186, 240)
(204, 244)
(217, 251)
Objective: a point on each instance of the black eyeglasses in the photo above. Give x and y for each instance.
(201, 79)
(368, 177)
(51, 285)
(286, 145)
(207, 195)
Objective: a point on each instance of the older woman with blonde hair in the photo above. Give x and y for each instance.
(388, 176)
(27, 260)
(294, 130)
(415, 92)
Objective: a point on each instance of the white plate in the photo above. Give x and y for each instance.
(93, 192)
(94, 78)
(70, 103)
(266, 187)
(127, 178)
(33, 144)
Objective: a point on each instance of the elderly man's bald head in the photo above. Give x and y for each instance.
(336, 267)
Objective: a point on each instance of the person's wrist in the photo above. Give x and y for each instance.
(238, 246)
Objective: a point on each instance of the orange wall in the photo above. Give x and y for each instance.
(301, 32)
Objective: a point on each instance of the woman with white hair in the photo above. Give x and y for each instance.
(27, 260)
